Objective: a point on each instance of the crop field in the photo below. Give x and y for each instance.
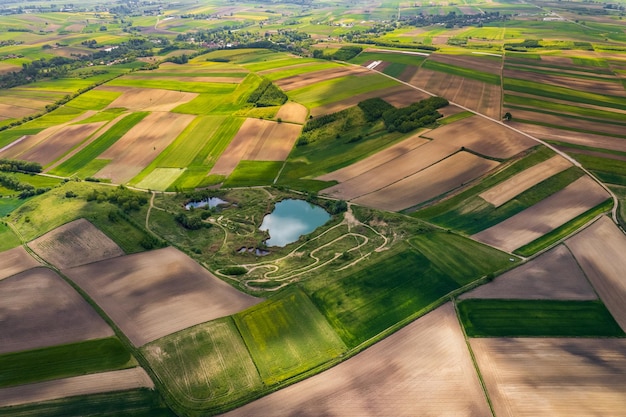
(121, 380)
(553, 375)
(553, 275)
(253, 173)
(292, 112)
(428, 359)
(43, 310)
(75, 243)
(96, 99)
(173, 85)
(543, 217)
(146, 99)
(306, 79)
(287, 336)
(15, 260)
(159, 178)
(150, 295)
(205, 366)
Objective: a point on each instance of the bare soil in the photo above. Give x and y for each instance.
(599, 249)
(141, 144)
(14, 261)
(152, 294)
(545, 216)
(483, 136)
(14, 112)
(580, 84)
(553, 377)
(309, 78)
(148, 99)
(521, 182)
(39, 309)
(75, 243)
(292, 112)
(445, 176)
(576, 138)
(422, 370)
(554, 275)
(80, 385)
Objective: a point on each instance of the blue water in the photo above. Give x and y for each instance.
(292, 219)
(211, 202)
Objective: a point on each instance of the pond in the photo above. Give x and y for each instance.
(211, 202)
(292, 219)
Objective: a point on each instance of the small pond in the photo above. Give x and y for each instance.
(211, 202)
(292, 219)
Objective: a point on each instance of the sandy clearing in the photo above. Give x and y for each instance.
(376, 160)
(14, 261)
(567, 136)
(148, 99)
(599, 249)
(39, 309)
(125, 379)
(521, 182)
(554, 275)
(152, 294)
(258, 140)
(478, 63)
(141, 144)
(309, 78)
(75, 243)
(483, 136)
(447, 175)
(553, 377)
(392, 171)
(422, 370)
(597, 86)
(545, 216)
(292, 112)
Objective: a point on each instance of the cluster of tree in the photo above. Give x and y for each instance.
(16, 165)
(377, 42)
(267, 94)
(452, 19)
(26, 190)
(53, 68)
(523, 45)
(345, 53)
(180, 59)
(122, 197)
(416, 115)
(190, 222)
(373, 108)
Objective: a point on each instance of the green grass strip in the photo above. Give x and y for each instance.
(537, 318)
(101, 144)
(462, 72)
(251, 173)
(560, 108)
(564, 230)
(63, 361)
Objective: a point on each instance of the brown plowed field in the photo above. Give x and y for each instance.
(565, 72)
(292, 112)
(80, 385)
(545, 216)
(553, 377)
(483, 136)
(309, 78)
(258, 140)
(554, 275)
(392, 171)
(399, 96)
(447, 175)
(14, 112)
(75, 243)
(39, 309)
(600, 249)
(521, 182)
(14, 261)
(148, 99)
(479, 63)
(422, 370)
(570, 121)
(580, 84)
(141, 144)
(152, 294)
(376, 160)
(585, 139)
(476, 95)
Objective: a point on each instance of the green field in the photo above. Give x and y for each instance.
(63, 361)
(101, 144)
(537, 318)
(462, 72)
(192, 87)
(287, 336)
(8, 240)
(253, 173)
(94, 100)
(560, 108)
(206, 366)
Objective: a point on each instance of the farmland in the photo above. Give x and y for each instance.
(469, 160)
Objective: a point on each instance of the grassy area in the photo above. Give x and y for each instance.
(63, 361)
(94, 100)
(611, 171)
(8, 240)
(537, 318)
(462, 72)
(206, 366)
(286, 335)
(101, 144)
(192, 87)
(300, 69)
(159, 179)
(564, 230)
(133, 403)
(251, 173)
